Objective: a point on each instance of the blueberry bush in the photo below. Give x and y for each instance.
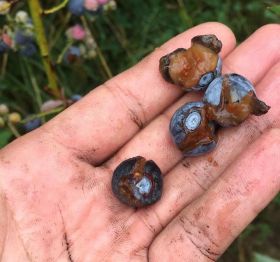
(54, 52)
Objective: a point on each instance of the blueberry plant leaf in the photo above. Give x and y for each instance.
(5, 136)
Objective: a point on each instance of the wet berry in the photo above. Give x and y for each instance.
(191, 131)
(193, 68)
(137, 182)
(230, 99)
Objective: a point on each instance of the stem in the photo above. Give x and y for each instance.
(13, 129)
(36, 11)
(118, 34)
(61, 55)
(36, 88)
(43, 114)
(98, 50)
(60, 31)
(184, 14)
(4, 64)
(55, 8)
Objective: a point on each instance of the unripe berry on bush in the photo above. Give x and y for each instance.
(91, 5)
(4, 109)
(4, 7)
(76, 32)
(5, 43)
(14, 117)
(22, 17)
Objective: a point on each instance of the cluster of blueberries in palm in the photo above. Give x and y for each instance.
(228, 100)
(19, 36)
(90, 7)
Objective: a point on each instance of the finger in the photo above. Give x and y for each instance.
(189, 179)
(111, 114)
(154, 142)
(204, 229)
(261, 50)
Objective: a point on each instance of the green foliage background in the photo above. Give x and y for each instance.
(125, 36)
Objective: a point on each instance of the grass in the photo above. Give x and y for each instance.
(123, 37)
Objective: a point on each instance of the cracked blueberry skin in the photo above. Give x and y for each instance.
(137, 182)
(195, 68)
(230, 99)
(191, 131)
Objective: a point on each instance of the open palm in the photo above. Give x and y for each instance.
(55, 183)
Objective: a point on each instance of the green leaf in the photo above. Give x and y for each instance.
(263, 258)
(275, 9)
(5, 136)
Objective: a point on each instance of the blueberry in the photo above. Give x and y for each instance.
(230, 99)
(72, 54)
(21, 38)
(76, 7)
(32, 124)
(137, 182)
(28, 49)
(75, 98)
(194, 68)
(4, 48)
(191, 131)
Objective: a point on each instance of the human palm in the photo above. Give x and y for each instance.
(55, 182)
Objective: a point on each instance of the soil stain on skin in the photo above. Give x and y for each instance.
(186, 164)
(212, 161)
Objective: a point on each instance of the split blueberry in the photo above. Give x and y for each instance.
(230, 99)
(193, 69)
(137, 182)
(191, 131)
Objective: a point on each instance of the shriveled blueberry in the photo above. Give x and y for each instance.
(137, 182)
(230, 99)
(193, 68)
(191, 131)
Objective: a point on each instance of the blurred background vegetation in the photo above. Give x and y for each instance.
(117, 37)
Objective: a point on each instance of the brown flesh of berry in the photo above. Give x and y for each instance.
(187, 67)
(230, 113)
(202, 135)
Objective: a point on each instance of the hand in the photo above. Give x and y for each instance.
(56, 181)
